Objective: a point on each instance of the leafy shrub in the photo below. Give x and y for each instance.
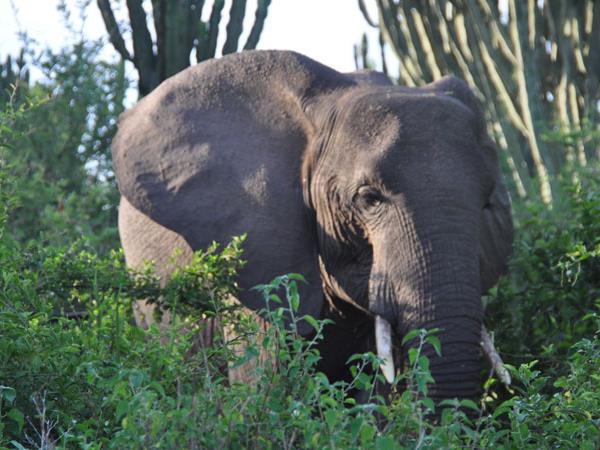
(68, 343)
(56, 146)
(101, 382)
(554, 277)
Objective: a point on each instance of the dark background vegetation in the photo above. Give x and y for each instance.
(76, 373)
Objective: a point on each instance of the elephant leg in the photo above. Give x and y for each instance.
(238, 342)
(145, 240)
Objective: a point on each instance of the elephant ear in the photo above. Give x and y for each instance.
(496, 233)
(216, 151)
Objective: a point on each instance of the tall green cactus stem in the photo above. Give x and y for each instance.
(179, 30)
(14, 79)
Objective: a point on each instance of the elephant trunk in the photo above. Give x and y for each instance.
(433, 283)
(457, 371)
(452, 304)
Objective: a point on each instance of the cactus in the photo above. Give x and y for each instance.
(537, 64)
(179, 30)
(14, 79)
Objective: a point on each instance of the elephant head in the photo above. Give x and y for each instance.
(386, 198)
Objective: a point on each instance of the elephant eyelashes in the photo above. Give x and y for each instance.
(367, 197)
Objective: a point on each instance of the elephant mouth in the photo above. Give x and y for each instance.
(383, 340)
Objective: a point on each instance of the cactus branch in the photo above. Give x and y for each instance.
(114, 34)
(234, 26)
(179, 30)
(259, 22)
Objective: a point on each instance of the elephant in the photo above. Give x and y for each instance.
(389, 200)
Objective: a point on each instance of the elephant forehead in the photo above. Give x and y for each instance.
(408, 140)
(379, 120)
(372, 128)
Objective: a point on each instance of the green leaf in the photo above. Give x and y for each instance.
(275, 298)
(296, 277)
(386, 443)
(8, 393)
(330, 417)
(17, 416)
(450, 402)
(410, 336)
(136, 378)
(311, 321)
(122, 408)
(435, 343)
(469, 404)
(429, 404)
(355, 357)
(503, 408)
(469, 432)
(367, 433)
(294, 297)
(157, 387)
(412, 355)
(422, 385)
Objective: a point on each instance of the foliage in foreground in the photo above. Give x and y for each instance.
(554, 277)
(97, 381)
(55, 141)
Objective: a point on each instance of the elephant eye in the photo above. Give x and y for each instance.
(367, 197)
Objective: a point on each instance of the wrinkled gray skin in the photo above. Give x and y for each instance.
(389, 200)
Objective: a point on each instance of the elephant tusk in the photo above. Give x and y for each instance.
(487, 344)
(383, 340)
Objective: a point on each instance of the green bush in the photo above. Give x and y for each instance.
(554, 277)
(94, 380)
(56, 146)
(69, 348)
